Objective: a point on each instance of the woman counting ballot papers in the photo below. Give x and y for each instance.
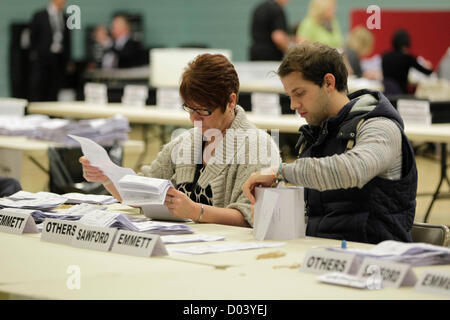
(208, 164)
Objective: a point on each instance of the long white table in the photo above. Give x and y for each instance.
(436, 133)
(32, 268)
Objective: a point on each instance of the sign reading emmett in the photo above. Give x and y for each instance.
(138, 244)
(18, 221)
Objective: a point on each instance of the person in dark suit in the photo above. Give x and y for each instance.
(50, 52)
(121, 51)
(270, 39)
(8, 186)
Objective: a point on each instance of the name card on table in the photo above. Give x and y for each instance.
(324, 261)
(59, 231)
(96, 238)
(434, 281)
(414, 111)
(138, 244)
(387, 273)
(17, 221)
(279, 214)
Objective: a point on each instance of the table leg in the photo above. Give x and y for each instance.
(443, 178)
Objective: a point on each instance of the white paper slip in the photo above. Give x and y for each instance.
(28, 200)
(264, 208)
(17, 221)
(191, 238)
(415, 254)
(75, 197)
(435, 282)
(140, 190)
(225, 247)
(279, 213)
(343, 279)
(138, 244)
(98, 157)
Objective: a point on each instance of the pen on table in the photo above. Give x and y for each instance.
(344, 244)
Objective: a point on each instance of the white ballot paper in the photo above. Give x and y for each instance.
(191, 238)
(149, 194)
(140, 190)
(415, 254)
(279, 213)
(98, 157)
(224, 247)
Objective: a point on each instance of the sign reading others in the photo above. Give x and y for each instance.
(18, 221)
(59, 231)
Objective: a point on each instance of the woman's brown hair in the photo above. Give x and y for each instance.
(208, 81)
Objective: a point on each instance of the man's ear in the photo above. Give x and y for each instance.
(329, 81)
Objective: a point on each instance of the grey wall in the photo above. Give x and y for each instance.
(218, 23)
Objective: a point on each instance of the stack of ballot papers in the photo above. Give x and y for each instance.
(74, 197)
(27, 200)
(73, 213)
(139, 190)
(105, 131)
(415, 254)
(112, 219)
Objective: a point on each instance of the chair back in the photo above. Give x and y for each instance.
(437, 234)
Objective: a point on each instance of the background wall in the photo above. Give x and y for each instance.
(218, 23)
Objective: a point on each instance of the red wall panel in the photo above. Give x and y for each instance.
(429, 30)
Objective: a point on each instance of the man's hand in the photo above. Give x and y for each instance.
(264, 178)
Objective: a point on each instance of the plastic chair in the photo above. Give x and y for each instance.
(66, 173)
(437, 234)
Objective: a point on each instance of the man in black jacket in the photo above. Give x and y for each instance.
(121, 51)
(50, 51)
(355, 161)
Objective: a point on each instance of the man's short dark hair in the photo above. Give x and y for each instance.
(314, 60)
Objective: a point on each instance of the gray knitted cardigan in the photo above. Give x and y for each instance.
(242, 151)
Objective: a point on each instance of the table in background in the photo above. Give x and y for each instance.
(27, 159)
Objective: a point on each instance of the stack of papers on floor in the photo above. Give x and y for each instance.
(415, 254)
(28, 200)
(111, 219)
(139, 190)
(75, 197)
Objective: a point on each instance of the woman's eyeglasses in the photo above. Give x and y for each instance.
(200, 112)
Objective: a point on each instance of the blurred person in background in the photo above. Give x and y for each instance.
(50, 52)
(397, 62)
(269, 31)
(120, 50)
(320, 24)
(359, 44)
